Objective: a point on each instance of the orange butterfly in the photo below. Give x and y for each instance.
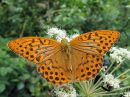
(66, 62)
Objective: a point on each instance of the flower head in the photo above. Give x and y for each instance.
(57, 32)
(126, 94)
(109, 79)
(52, 31)
(60, 34)
(119, 54)
(65, 91)
(73, 36)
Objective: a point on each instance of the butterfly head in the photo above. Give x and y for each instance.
(65, 42)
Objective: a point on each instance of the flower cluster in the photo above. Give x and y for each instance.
(119, 54)
(126, 94)
(65, 91)
(60, 34)
(109, 79)
(57, 32)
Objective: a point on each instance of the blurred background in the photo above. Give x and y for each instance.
(19, 18)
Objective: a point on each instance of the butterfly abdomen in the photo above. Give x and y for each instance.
(66, 51)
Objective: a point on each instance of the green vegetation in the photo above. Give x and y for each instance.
(19, 18)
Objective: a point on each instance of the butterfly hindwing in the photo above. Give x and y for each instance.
(56, 76)
(54, 69)
(85, 66)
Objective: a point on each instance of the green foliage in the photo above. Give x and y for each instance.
(33, 17)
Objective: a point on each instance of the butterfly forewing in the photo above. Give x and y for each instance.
(97, 42)
(35, 49)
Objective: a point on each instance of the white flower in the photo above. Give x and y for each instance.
(52, 31)
(58, 32)
(61, 35)
(128, 55)
(119, 54)
(65, 91)
(126, 94)
(73, 36)
(68, 38)
(109, 79)
(116, 83)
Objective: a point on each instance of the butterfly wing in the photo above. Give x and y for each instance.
(97, 42)
(88, 50)
(53, 70)
(34, 49)
(85, 65)
(44, 52)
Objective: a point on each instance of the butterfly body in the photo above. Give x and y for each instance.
(66, 50)
(65, 62)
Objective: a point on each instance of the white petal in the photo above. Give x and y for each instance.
(53, 31)
(56, 31)
(74, 36)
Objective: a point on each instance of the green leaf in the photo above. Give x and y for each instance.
(2, 87)
(5, 70)
(20, 86)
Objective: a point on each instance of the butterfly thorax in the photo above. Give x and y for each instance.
(65, 45)
(66, 50)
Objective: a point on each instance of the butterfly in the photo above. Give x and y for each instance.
(66, 62)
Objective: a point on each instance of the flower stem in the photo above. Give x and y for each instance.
(123, 73)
